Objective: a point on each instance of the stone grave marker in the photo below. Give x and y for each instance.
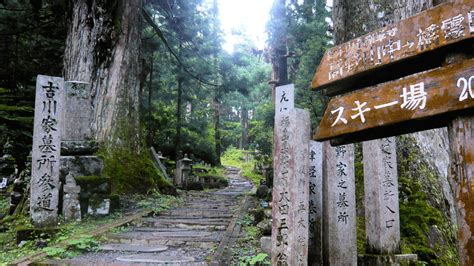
(291, 188)
(46, 150)
(315, 202)
(382, 215)
(339, 219)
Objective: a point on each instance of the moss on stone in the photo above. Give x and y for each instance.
(425, 227)
(133, 172)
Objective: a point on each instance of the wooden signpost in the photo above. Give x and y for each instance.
(418, 96)
(401, 79)
(438, 27)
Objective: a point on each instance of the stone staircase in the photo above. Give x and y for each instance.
(185, 235)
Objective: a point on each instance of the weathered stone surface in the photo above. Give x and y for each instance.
(76, 147)
(133, 248)
(397, 259)
(315, 251)
(158, 163)
(266, 244)
(46, 150)
(291, 188)
(382, 215)
(78, 111)
(98, 206)
(167, 260)
(71, 206)
(339, 218)
(82, 165)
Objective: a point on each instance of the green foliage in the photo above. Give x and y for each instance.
(54, 252)
(132, 172)
(84, 243)
(259, 259)
(157, 202)
(421, 216)
(236, 158)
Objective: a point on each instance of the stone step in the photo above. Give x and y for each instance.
(178, 229)
(160, 260)
(194, 216)
(133, 248)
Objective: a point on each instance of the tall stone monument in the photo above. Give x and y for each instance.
(315, 255)
(291, 188)
(339, 219)
(46, 150)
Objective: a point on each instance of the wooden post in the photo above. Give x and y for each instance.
(461, 177)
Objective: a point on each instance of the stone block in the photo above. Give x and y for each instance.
(388, 260)
(94, 185)
(81, 165)
(78, 111)
(85, 147)
(266, 244)
(98, 206)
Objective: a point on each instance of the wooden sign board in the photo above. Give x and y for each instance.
(427, 31)
(420, 96)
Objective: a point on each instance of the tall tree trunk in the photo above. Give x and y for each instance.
(103, 48)
(244, 122)
(217, 132)
(279, 33)
(150, 94)
(217, 89)
(179, 115)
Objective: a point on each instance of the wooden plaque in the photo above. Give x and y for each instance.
(419, 98)
(443, 25)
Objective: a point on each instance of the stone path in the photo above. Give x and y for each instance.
(185, 235)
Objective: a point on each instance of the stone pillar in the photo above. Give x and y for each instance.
(382, 215)
(178, 175)
(315, 242)
(71, 205)
(46, 151)
(339, 218)
(291, 188)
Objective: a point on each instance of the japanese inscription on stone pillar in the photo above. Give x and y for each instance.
(46, 150)
(381, 196)
(291, 189)
(340, 237)
(284, 98)
(315, 202)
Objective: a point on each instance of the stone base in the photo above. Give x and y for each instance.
(394, 259)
